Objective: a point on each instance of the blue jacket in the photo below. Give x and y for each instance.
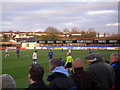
(60, 79)
(116, 67)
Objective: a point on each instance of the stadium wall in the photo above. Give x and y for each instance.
(66, 48)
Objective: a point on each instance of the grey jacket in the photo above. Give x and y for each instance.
(103, 73)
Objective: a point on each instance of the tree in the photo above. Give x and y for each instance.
(50, 37)
(90, 33)
(10, 31)
(114, 36)
(75, 30)
(104, 34)
(51, 30)
(5, 36)
(98, 34)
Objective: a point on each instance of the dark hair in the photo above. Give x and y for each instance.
(55, 62)
(36, 71)
(106, 61)
(35, 51)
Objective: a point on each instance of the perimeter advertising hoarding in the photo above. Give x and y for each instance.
(113, 41)
(89, 41)
(101, 41)
(58, 42)
(50, 42)
(42, 42)
(69, 41)
(80, 41)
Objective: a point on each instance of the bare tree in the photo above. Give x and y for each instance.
(75, 30)
(51, 30)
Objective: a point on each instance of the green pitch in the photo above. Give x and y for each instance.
(18, 67)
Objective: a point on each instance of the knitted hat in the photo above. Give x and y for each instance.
(7, 81)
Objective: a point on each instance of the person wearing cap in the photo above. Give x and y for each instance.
(99, 57)
(83, 79)
(35, 77)
(100, 71)
(59, 78)
(115, 63)
(7, 81)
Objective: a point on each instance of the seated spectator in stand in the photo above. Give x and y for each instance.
(100, 71)
(6, 81)
(35, 77)
(115, 62)
(59, 78)
(83, 79)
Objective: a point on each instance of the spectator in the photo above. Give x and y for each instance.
(100, 70)
(115, 62)
(106, 61)
(83, 79)
(63, 63)
(6, 81)
(68, 64)
(35, 76)
(60, 77)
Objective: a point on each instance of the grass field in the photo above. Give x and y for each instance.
(18, 67)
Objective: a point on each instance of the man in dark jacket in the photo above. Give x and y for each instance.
(83, 79)
(100, 70)
(115, 62)
(60, 78)
(35, 77)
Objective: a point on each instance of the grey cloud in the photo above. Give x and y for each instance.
(30, 16)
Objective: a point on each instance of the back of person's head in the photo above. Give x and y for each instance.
(35, 51)
(113, 57)
(99, 56)
(90, 58)
(67, 54)
(55, 62)
(7, 81)
(36, 72)
(106, 61)
(78, 63)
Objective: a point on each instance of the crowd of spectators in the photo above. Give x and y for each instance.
(98, 75)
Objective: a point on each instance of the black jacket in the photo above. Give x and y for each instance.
(58, 80)
(116, 67)
(38, 84)
(84, 79)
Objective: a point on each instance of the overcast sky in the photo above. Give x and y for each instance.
(37, 16)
